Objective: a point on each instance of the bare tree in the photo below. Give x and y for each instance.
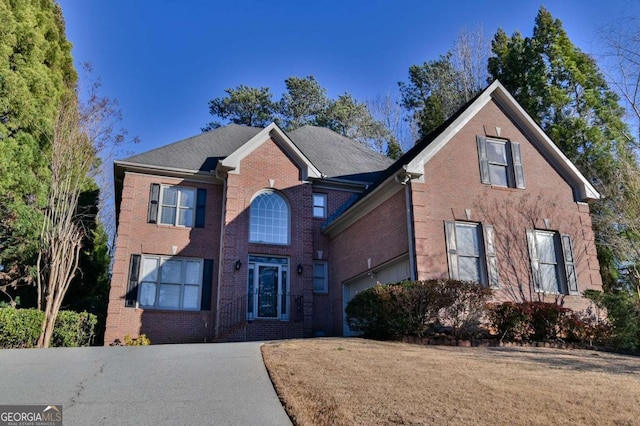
(622, 62)
(388, 111)
(80, 134)
(470, 54)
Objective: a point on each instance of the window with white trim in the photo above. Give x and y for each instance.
(170, 283)
(269, 219)
(552, 262)
(177, 206)
(319, 205)
(471, 253)
(500, 163)
(320, 277)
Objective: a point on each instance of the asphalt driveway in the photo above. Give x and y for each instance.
(199, 384)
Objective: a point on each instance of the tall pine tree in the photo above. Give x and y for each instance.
(562, 88)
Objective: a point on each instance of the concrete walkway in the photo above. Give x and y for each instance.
(199, 384)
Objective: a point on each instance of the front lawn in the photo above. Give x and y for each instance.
(340, 381)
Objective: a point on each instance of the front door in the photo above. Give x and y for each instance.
(267, 295)
(268, 292)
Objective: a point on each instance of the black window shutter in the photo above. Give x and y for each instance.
(517, 165)
(154, 199)
(207, 285)
(201, 202)
(483, 159)
(132, 287)
(569, 265)
(452, 252)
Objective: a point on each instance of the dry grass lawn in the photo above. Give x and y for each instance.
(336, 381)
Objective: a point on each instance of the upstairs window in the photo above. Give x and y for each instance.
(320, 205)
(177, 205)
(500, 163)
(269, 219)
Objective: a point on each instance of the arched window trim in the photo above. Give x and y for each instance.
(255, 234)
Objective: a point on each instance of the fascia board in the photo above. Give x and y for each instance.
(506, 101)
(195, 175)
(232, 162)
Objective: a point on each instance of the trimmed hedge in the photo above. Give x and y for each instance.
(418, 308)
(20, 328)
(544, 322)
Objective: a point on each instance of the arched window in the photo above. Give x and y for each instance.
(269, 221)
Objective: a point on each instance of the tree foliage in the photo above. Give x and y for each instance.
(304, 102)
(36, 71)
(438, 88)
(563, 89)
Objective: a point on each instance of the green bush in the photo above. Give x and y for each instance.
(623, 313)
(73, 329)
(417, 308)
(20, 328)
(141, 340)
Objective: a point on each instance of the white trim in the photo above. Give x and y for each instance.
(231, 163)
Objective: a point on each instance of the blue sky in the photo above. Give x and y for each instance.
(164, 60)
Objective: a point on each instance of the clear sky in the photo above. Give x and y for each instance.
(164, 60)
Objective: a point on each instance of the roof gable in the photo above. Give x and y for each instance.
(429, 147)
(231, 164)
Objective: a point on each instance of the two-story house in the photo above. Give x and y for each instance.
(246, 233)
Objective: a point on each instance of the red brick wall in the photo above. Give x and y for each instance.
(136, 236)
(381, 236)
(452, 184)
(268, 162)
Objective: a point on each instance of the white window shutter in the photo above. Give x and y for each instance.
(517, 165)
(490, 253)
(452, 252)
(569, 264)
(483, 160)
(533, 257)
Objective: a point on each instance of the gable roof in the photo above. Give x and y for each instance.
(411, 164)
(323, 152)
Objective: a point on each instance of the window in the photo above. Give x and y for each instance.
(170, 283)
(320, 277)
(471, 253)
(552, 263)
(269, 221)
(320, 205)
(500, 163)
(177, 206)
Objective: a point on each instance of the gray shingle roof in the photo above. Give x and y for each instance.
(200, 152)
(338, 156)
(334, 155)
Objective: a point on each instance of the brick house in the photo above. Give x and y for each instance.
(248, 233)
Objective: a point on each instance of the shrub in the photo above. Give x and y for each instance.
(141, 340)
(417, 308)
(74, 329)
(623, 313)
(20, 328)
(540, 321)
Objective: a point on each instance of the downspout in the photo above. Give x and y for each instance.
(410, 231)
(221, 255)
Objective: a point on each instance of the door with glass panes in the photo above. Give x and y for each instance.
(267, 288)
